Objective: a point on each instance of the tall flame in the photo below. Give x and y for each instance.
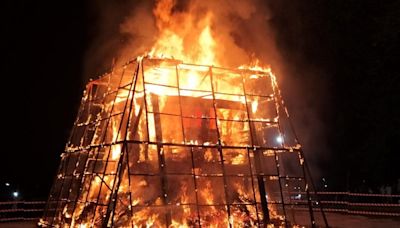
(183, 35)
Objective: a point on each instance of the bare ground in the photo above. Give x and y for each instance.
(336, 220)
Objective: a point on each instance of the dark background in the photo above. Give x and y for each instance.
(351, 47)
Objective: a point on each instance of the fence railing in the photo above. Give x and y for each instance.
(21, 210)
(344, 202)
(355, 203)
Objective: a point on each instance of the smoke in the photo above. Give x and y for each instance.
(242, 31)
(303, 75)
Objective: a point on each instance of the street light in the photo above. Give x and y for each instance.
(15, 194)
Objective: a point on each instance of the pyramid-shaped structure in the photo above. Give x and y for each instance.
(160, 143)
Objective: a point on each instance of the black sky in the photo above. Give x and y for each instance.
(349, 50)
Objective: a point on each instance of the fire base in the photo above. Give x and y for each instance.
(159, 143)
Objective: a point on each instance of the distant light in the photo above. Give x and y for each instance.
(326, 186)
(279, 139)
(7, 184)
(15, 194)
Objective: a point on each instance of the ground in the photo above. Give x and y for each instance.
(336, 220)
(343, 221)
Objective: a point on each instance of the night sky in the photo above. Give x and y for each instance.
(349, 50)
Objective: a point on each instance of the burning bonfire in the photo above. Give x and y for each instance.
(171, 140)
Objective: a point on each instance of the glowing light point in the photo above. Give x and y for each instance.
(279, 139)
(7, 184)
(15, 194)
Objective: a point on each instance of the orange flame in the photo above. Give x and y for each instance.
(190, 38)
(183, 36)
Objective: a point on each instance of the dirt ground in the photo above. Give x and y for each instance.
(336, 220)
(349, 221)
(31, 224)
